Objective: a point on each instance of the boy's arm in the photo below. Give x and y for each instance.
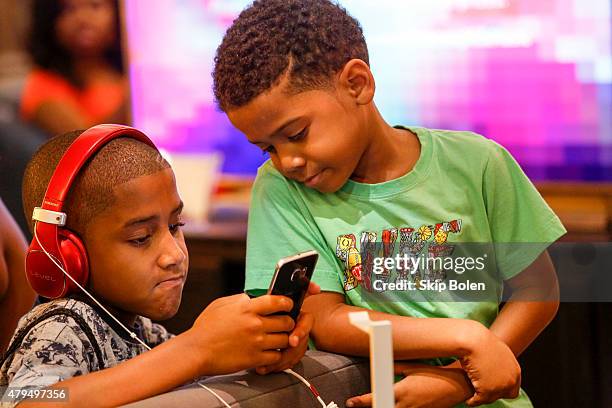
(165, 367)
(533, 304)
(489, 363)
(232, 333)
(413, 338)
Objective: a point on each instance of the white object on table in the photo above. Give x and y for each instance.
(381, 357)
(196, 175)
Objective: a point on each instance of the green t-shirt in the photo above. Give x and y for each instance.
(466, 195)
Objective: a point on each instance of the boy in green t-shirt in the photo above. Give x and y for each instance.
(293, 76)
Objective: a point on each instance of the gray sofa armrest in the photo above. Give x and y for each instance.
(336, 378)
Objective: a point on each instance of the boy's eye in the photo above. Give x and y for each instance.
(141, 241)
(174, 228)
(298, 136)
(269, 150)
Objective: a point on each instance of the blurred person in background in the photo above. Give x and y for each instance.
(78, 79)
(16, 296)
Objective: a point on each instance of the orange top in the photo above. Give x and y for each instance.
(95, 102)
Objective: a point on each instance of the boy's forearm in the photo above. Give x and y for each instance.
(165, 367)
(413, 338)
(532, 306)
(519, 323)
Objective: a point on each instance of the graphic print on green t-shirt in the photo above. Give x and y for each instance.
(358, 260)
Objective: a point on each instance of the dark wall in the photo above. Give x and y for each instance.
(569, 365)
(18, 142)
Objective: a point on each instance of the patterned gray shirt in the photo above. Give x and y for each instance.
(57, 348)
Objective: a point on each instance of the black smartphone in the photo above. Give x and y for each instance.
(292, 277)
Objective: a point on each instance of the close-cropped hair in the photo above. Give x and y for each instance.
(119, 161)
(307, 40)
(46, 51)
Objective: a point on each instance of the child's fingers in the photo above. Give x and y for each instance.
(269, 357)
(313, 289)
(481, 398)
(278, 324)
(292, 355)
(268, 304)
(262, 370)
(276, 341)
(289, 358)
(475, 401)
(302, 329)
(222, 301)
(364, 400)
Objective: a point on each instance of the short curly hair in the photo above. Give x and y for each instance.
(309, 40)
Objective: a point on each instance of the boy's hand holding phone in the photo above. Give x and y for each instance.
(292, 279)
(258, 332)
(298, 340)
(236, 332)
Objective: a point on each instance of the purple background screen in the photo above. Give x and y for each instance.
(536, 76)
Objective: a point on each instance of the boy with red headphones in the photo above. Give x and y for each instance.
(109, 252)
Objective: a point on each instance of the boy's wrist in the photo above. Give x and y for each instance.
(191, 347)
(464, 388)
(470, 337)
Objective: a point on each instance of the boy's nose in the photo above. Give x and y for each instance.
(172, 253)
(292, 163)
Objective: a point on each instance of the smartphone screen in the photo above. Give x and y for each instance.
(292, 277)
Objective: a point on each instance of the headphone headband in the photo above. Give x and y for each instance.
(54, 246)
(82, 149)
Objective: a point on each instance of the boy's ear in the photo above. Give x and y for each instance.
(357, 79)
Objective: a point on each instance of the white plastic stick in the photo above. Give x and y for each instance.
(381, 357)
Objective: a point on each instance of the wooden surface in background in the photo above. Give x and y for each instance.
(584, 208)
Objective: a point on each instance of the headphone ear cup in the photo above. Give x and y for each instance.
(75, 259)
(43, 275)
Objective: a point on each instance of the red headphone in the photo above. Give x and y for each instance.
(51, 241)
